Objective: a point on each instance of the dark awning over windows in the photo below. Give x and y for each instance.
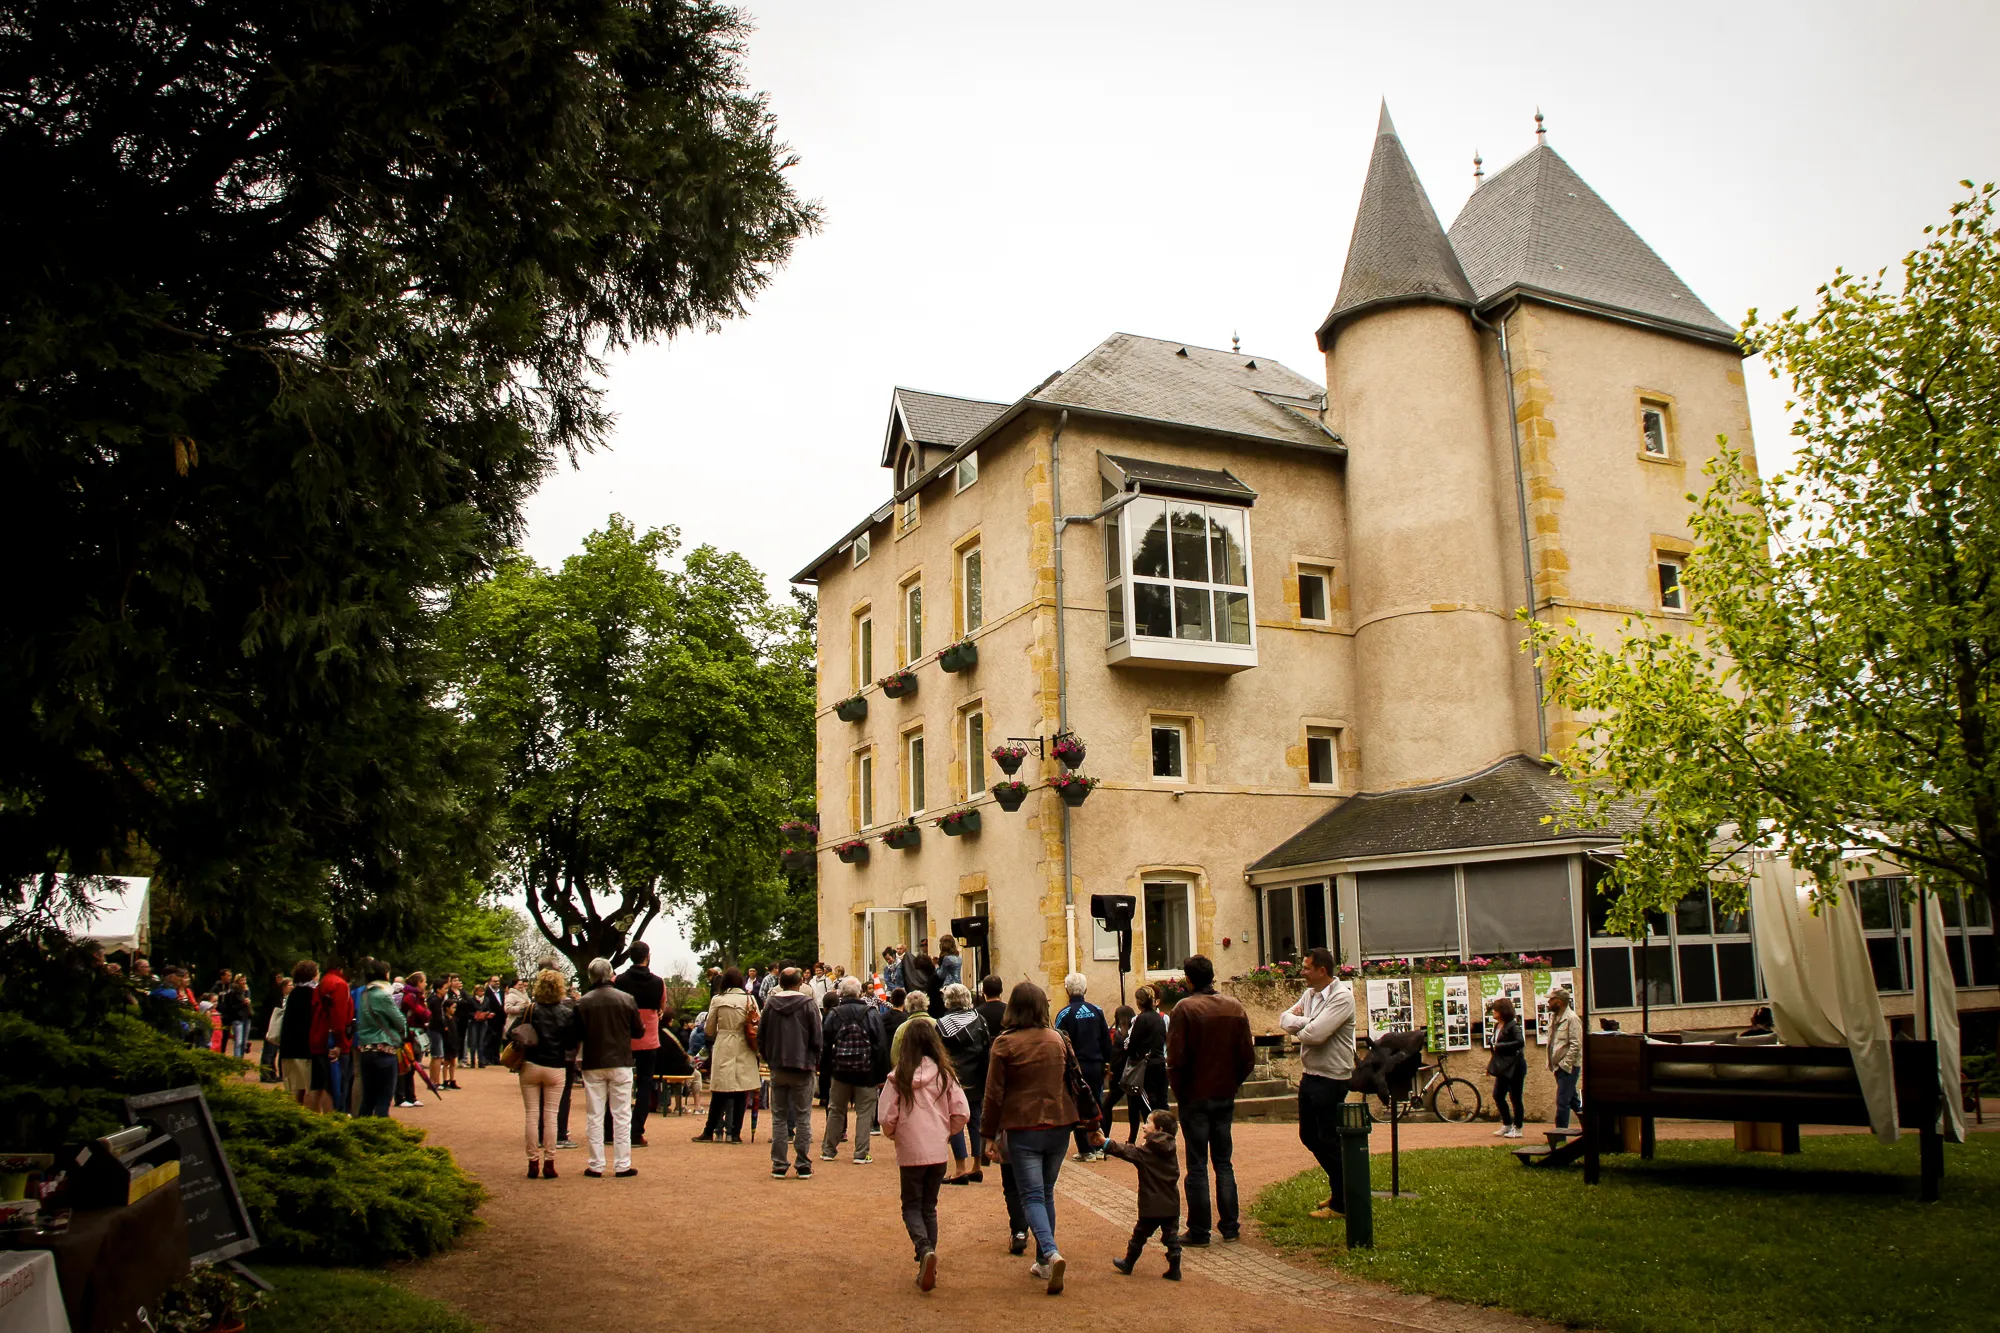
(1518, 906)
(1199, 483)
(1408, 913)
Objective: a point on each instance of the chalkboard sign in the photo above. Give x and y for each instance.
(218, 1224)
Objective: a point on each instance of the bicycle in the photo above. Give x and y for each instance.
(1448, 1097)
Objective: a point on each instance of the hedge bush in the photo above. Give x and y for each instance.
(336, 1190)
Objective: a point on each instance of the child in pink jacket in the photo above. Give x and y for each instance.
(922, 1107)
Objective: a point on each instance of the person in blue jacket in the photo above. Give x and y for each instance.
(1083, 1023)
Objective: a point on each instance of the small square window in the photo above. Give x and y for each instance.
(1653, 429)
(1312, 595)
(861, 548)
(966, 472)
(1170, 751)
(1322, 757)
(1671, 596)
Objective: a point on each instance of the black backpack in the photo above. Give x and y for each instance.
(854, 1052)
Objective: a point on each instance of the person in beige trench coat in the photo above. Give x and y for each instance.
(733, 1072)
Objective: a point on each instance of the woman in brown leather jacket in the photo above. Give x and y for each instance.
(1029, 1103)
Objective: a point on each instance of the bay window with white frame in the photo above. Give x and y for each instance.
(1177, 584)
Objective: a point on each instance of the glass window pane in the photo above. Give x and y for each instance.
(975, 596)
(1167, 752)
(1232, 617)
(1114, 612)
(1190, 539)
(1736, 972)
(1114, 551)
(1656, 924)
(915, 605)
(1653, 965)
(1729, 922)
(1979, 910)
(1167, 941)
(865, 777)
(1691, 914)
(1885, 959)
(1948, 904)
(1312, 906)
(1278, 920)
(1873, 895)
(867, 652)
(916, 774)
(1149, 531)
(1985, 971)
(1312, 597)
(1225, 543)
(1698, 974)
(1191, 613)
(1152, 610)
(975, 754)
(1656, 431)
(1319, 760)
(1956, 950)
(1611, 978)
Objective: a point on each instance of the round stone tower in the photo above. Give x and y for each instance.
(1429, 569)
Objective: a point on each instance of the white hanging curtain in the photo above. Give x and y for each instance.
(1944, 1010)
(1821, 985)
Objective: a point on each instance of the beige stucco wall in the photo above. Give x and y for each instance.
(1438, 688)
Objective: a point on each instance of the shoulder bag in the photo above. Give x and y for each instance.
(515, 1053)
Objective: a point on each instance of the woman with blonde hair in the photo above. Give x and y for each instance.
(544, 1032)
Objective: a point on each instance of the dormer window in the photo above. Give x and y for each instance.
(907, 471)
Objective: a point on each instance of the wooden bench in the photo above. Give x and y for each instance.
(1630, 1075)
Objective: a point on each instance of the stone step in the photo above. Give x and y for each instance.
(1256, 1088)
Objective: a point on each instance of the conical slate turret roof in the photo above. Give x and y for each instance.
(1537, 228)
(1399, 252)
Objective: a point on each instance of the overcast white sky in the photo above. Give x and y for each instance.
(1005, 186)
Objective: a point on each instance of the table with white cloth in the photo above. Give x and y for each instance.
(30, 1298)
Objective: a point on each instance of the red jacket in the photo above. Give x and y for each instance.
(333, 1015)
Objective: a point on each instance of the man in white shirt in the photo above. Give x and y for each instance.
(1323, 1021)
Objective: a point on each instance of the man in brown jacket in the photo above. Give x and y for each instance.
(610, 1021)
(1208, 1057)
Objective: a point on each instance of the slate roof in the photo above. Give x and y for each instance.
(936, 418)
(1399, 252)
(1234, 393)
(1506, 808)
(1536, 227)
(1174, 477)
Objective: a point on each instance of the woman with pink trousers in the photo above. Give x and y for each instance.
(922, 1107)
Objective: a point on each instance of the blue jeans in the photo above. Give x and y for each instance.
(378, 1081)
(336, 1081)
(1566, 1097)
(1206, 1124)
(965, 1143)
(239, 1037)
(1037, 1155)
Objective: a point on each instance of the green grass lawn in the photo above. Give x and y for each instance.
(326, 1300)
(1701, 1238)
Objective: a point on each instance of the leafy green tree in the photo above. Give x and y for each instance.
(1838, 688)
(652, 726)
(303, 301)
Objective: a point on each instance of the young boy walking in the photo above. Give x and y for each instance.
(1159, 1163)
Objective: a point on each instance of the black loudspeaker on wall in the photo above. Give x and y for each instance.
(971, 931)
(1115, 911)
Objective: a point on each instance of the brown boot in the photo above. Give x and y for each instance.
(549, 1169)
(534, 1167)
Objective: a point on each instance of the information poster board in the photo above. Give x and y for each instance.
(1544, 983)
(218, 1225)
(1448, 1001)
(1391, 1006)
(1492, 986)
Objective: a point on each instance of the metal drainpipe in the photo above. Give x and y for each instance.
(1062, 685)
(1499, 331)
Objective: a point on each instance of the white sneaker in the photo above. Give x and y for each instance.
(1038, 1270)
(1054, 1268)
(1514, 1132)
(1501, 1132)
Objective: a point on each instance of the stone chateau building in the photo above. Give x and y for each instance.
(1286, 631)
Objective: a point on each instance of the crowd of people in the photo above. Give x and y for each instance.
(957, 1081)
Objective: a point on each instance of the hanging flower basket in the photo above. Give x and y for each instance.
(904, 837)
(961, 656)
(902, 685)
(1009, 757)
(1074, 788)
(799, 832)
(797, 860)
(854, 853)
(851, 710)
(1069, 750)
(1010, 794)
(960, 822)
